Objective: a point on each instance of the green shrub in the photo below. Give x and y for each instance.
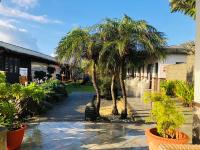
(168, 87)
(54, 86)
(2, 77)
(8, 116)
(164, 112)
(39, 75)
(185, 91)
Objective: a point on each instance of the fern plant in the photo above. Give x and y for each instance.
(164, 113)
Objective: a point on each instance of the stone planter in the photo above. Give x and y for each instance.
(155, 141)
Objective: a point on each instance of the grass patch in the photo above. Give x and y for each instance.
(77, 87)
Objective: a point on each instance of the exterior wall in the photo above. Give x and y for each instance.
(190, 68)
(176, 72)
(169, 60)
(181, 71)
(196, 116)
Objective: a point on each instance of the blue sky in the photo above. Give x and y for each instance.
(40, 24)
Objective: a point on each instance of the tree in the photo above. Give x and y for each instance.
(109, 64)
(185, 6)
(126, 38)
(79, 44)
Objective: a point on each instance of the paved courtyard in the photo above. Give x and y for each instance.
(64, 128)
(84, 135)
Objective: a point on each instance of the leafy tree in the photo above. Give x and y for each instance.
(185, 6)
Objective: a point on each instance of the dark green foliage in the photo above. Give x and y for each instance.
(39, 75)
(168, 87)
(105, 83)
(165, 114)
(17, 102)
(51, 70)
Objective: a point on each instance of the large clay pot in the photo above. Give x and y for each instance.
(154, 140)
(14, 138)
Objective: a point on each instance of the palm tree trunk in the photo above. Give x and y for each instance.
(114, 109)
(122, 84)
(94, 80)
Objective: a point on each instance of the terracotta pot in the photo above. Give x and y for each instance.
(154, 140)
(14, 138)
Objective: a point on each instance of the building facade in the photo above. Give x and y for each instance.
(150, 75)
(16, 61)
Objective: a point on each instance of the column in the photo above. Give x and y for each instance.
(145, 71)
(196, 116)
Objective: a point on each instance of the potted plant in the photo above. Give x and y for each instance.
(167, 118)
(14, 125)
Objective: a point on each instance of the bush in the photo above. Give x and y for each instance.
(165, 114)
(54, 85)
(8, 116)
(105, 85)
(168, 87)
(39, 75)
(2, 77)
(185, 91)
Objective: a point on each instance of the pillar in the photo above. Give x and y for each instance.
(154, 78)
(145, 71)
(196, 116)
(3, 138)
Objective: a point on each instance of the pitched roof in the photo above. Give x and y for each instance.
(26, 51)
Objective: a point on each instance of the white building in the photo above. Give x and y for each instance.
(149, 76)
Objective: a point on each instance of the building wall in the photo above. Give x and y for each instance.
(169, 60)
(181, 71)
(176, 72)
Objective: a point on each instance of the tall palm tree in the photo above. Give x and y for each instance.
(79, 44)
(109, 64)
(127, 37)
(185, 6)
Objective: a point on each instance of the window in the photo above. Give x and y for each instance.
(179, 62)
(12, 65)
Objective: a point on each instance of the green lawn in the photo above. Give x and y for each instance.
(77, 87)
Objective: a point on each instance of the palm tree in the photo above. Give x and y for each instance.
(185, 6)
(127, 37)
(79, 44)
(109, 65)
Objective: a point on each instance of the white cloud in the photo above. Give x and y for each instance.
(11, 12)
(8, 24)
(19, 36)
(25, 3)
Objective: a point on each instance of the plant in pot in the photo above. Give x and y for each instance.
(167, 118)
(16, 128)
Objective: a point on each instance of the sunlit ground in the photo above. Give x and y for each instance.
(82, 135)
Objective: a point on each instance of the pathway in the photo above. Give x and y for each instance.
(70, 109)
